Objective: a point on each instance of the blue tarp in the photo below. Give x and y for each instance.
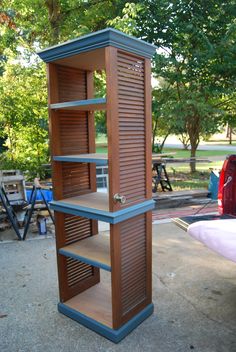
(213, 185)
(46, 192)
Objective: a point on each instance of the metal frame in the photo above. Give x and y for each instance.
(29, 211)
(10, 212)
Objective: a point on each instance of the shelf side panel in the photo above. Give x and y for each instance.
(132, 133)
(74, 276)
(131, 267)
(112, 125)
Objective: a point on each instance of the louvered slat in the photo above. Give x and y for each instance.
(73, 132)
(71, 84)
(73, 128)
(77, 271)
(75, 179)
(76, 228)
(131, 106)
(133, 262)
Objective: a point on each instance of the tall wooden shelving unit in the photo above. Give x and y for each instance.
(112, 304)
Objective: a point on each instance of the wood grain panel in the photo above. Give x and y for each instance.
(132, 139)
(74, 132)
(131, 259)
(74, 139)
(93, 248)
(76, 228)
(95, 303)
(133, 247)
(72, 84)
(75, 179)
(112, 125)
(74, 276)
(148, 128)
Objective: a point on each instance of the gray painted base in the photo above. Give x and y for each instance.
(111, 334)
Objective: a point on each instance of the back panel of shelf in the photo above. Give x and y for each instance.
(72, 132)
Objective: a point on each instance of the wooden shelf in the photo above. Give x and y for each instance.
(94, 303)
(86, 105)
(95, 205)
(94, 250)
(99, 159)
(94, 200)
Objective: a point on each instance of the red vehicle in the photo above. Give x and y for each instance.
(227, 187)
(226, 197)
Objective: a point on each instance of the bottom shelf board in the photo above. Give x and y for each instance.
(95, 303)
(104, 330)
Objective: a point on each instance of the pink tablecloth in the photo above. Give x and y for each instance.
(218, 235)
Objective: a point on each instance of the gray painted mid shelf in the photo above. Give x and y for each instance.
(98, 158)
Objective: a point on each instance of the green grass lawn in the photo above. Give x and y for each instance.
(101, 139)
(180, 185)
(179, 174)
(181, 153)
(174, 152)
(101, 149)
(220, 142)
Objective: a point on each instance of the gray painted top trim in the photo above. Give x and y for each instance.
(100, 39)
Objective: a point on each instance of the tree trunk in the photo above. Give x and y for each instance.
(193, 162)
(193, 129)
(54, 16)
(230, 135)
(163, 141)
(184, 139)
(154, 132)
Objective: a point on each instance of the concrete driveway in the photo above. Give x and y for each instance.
(194, 293)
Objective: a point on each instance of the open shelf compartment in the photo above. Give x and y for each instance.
(95, 205)
(93, 309)
(94, 250)
(95, 303)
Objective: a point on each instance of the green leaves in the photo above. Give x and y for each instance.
(23, 117)
(196, 59)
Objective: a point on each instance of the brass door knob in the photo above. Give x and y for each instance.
(119, 198)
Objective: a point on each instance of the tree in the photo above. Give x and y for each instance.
(196, 56)
(26, 26)
(23, 117)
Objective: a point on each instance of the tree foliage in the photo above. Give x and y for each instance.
(25, 27)
(196, 58)
(23, 117)
(196, 54)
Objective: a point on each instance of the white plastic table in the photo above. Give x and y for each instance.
(218, 235)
